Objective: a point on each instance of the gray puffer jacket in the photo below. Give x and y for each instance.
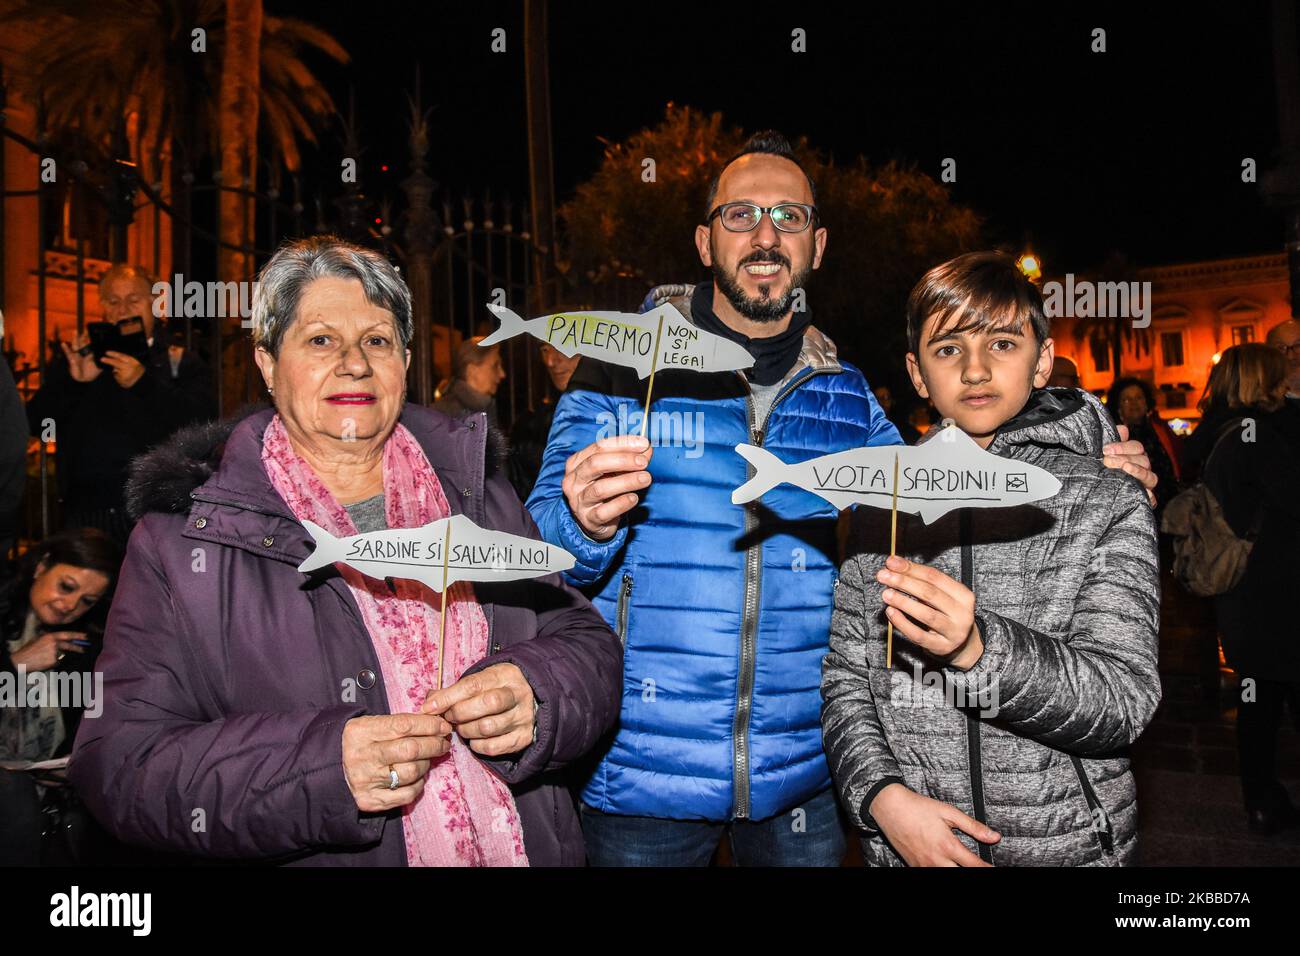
(1033, 738)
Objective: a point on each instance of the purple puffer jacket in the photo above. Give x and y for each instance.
(228, 674)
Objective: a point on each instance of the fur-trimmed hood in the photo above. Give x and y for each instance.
(164, 478)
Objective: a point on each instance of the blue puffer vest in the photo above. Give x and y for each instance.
(724, 610)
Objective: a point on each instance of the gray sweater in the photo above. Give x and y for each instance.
(1033, 738)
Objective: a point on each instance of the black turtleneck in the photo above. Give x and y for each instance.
(773, 356)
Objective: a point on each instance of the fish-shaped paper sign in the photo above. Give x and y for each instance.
(943, 474)
(626, 339)
(422, 554)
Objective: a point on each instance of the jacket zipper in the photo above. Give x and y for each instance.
(1104, 834)
(749, 618)
(973, 726)
(620, 616)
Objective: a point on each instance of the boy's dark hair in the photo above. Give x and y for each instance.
(972, 293)
(771, 143)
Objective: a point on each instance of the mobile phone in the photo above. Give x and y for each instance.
(125, 336)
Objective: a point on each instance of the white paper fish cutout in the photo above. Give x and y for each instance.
(476, 554)
(945, 473)
(626, 339)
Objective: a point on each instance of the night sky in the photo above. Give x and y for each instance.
(1136, 150)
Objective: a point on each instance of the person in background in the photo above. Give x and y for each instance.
(529, 434)
(104, 414)
(921, 418)
(1254, 475)
(1132, 402)
(906, 432)
(1285, 337)
(1216, 413)
(51, 620)
(1065, 374)
(476, 373)
(13, 465)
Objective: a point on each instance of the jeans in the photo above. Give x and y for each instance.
(813, 837)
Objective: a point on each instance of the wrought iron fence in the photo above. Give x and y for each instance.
(470, 249)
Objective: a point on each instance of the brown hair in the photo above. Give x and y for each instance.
(87, 548)
(469, 353)
(975, 292)
(1250, 375)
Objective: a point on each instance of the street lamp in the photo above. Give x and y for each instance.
(1031, 266)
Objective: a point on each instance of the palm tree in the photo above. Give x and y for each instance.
(1115, 333)
(96, 61)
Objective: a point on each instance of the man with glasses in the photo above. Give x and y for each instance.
(724, 610)
(1285, 336)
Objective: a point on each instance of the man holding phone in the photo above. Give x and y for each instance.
(113, 395)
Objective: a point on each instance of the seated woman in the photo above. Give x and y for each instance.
(51, 620)
(254, 711)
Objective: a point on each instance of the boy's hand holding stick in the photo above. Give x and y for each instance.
(932, 611)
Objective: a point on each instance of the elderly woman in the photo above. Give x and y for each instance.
(254, 711)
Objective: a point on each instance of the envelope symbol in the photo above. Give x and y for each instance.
(1017, 481)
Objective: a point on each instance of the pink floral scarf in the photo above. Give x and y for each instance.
(465, 816)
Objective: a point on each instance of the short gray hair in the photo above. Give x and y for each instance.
(297, 263)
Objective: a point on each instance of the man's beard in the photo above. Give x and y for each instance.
(760, 308)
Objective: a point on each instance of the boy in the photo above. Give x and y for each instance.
(1024, 659)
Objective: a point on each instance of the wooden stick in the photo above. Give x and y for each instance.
(654, 361)
(893, 549)
(442, 623)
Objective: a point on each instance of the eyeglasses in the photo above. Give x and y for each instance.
(1288, 349)
(745, 216)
